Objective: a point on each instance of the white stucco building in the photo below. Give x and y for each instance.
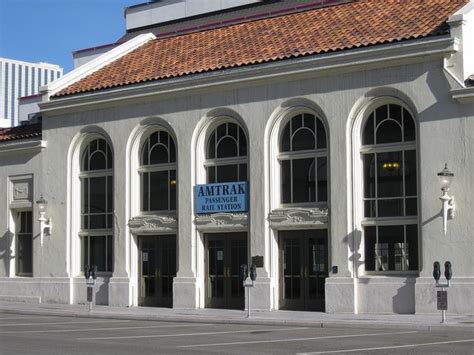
(324, 125)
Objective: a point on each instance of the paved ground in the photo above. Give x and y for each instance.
(45, 334)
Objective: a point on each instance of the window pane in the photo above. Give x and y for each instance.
(320, 135)
(369, 208)
(369, 175)
(145, 160)
(211, 147)
(227, 173)
(159, 154)
(85, 253)
(173, 183)
(370, 241)
(390, 208)
(322, 180)
(97, 252)
(110, 250)
(368, 132)
(242, 143)
(395, 113)
(410, 173)
(411, 207)
(296, 122)
(159, 191)
(286, 181)
(303, 180)
(409, 126)
(226, 148)
(97, 195)
(412, 241)
(285, 139)
(172, 151)
(243, 172)
(381, 113)
(110, 194)
(303, 139)
(97, 161)
(390, 174)
(145, 192)
(389, 131)
(222, 131)
(392, 242)
(211, 175)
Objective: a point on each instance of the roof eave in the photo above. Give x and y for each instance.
(354, 59)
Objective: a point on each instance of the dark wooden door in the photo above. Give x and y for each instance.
(303, 269)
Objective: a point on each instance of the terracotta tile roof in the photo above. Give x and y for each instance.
(356, 24)
(20, 132)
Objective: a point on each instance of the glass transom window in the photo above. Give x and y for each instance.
(303, 160)
(390, 193)
(158, 173)
(226, 154)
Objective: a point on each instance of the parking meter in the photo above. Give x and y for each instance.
(253, 272)
(436, 271)
(94, 271)
(448, 272)
(243, 272)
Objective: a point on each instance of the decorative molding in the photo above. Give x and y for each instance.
(298, 217)
(153, 224)
(221, 221)
(464, 95)
(21, 188)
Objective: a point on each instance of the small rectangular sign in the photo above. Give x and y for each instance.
(442, 300)
(223, 197)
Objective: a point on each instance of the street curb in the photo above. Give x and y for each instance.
(357, 324)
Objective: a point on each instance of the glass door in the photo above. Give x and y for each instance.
(157, 267)
(303, 269)
(224, 255)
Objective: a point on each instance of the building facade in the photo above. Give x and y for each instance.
(20, 79)
(309, 149)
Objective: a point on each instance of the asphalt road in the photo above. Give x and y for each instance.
(30, 334)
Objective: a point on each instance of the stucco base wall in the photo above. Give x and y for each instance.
(185, 293)
(35, 290)
(260, 295)
(386, 295)
(120, 294)
(101, 291)
(460, 295)
(339, 295)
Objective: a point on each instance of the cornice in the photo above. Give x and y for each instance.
(152, 224)
(221, 221)
(298, 217)
(30, 145)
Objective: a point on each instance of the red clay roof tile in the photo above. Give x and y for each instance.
(20, 132)
(349, 25)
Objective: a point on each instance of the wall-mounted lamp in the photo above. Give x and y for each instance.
(446, 177)
(45, 223)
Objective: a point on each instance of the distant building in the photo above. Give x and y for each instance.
(18, 79)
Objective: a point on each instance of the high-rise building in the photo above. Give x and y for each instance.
(18, 79)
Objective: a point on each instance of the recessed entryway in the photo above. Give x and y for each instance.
(303, 269)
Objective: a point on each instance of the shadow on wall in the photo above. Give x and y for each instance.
(404, 301)
(6, 252)
(102, 292)
(353, 241)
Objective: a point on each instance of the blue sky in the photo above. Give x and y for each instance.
(49, 30)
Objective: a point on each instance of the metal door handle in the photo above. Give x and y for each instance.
(306, 273)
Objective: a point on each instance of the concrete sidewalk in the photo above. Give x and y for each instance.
(316, 319)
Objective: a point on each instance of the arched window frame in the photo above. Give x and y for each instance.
(293, 155)
(145, 168)
(376, 223)
(240, 160)
(90, 234)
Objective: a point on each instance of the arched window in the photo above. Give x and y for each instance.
(226, 154)
(158, 173)
(97, 205)
(303, 160)
(390, 194)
